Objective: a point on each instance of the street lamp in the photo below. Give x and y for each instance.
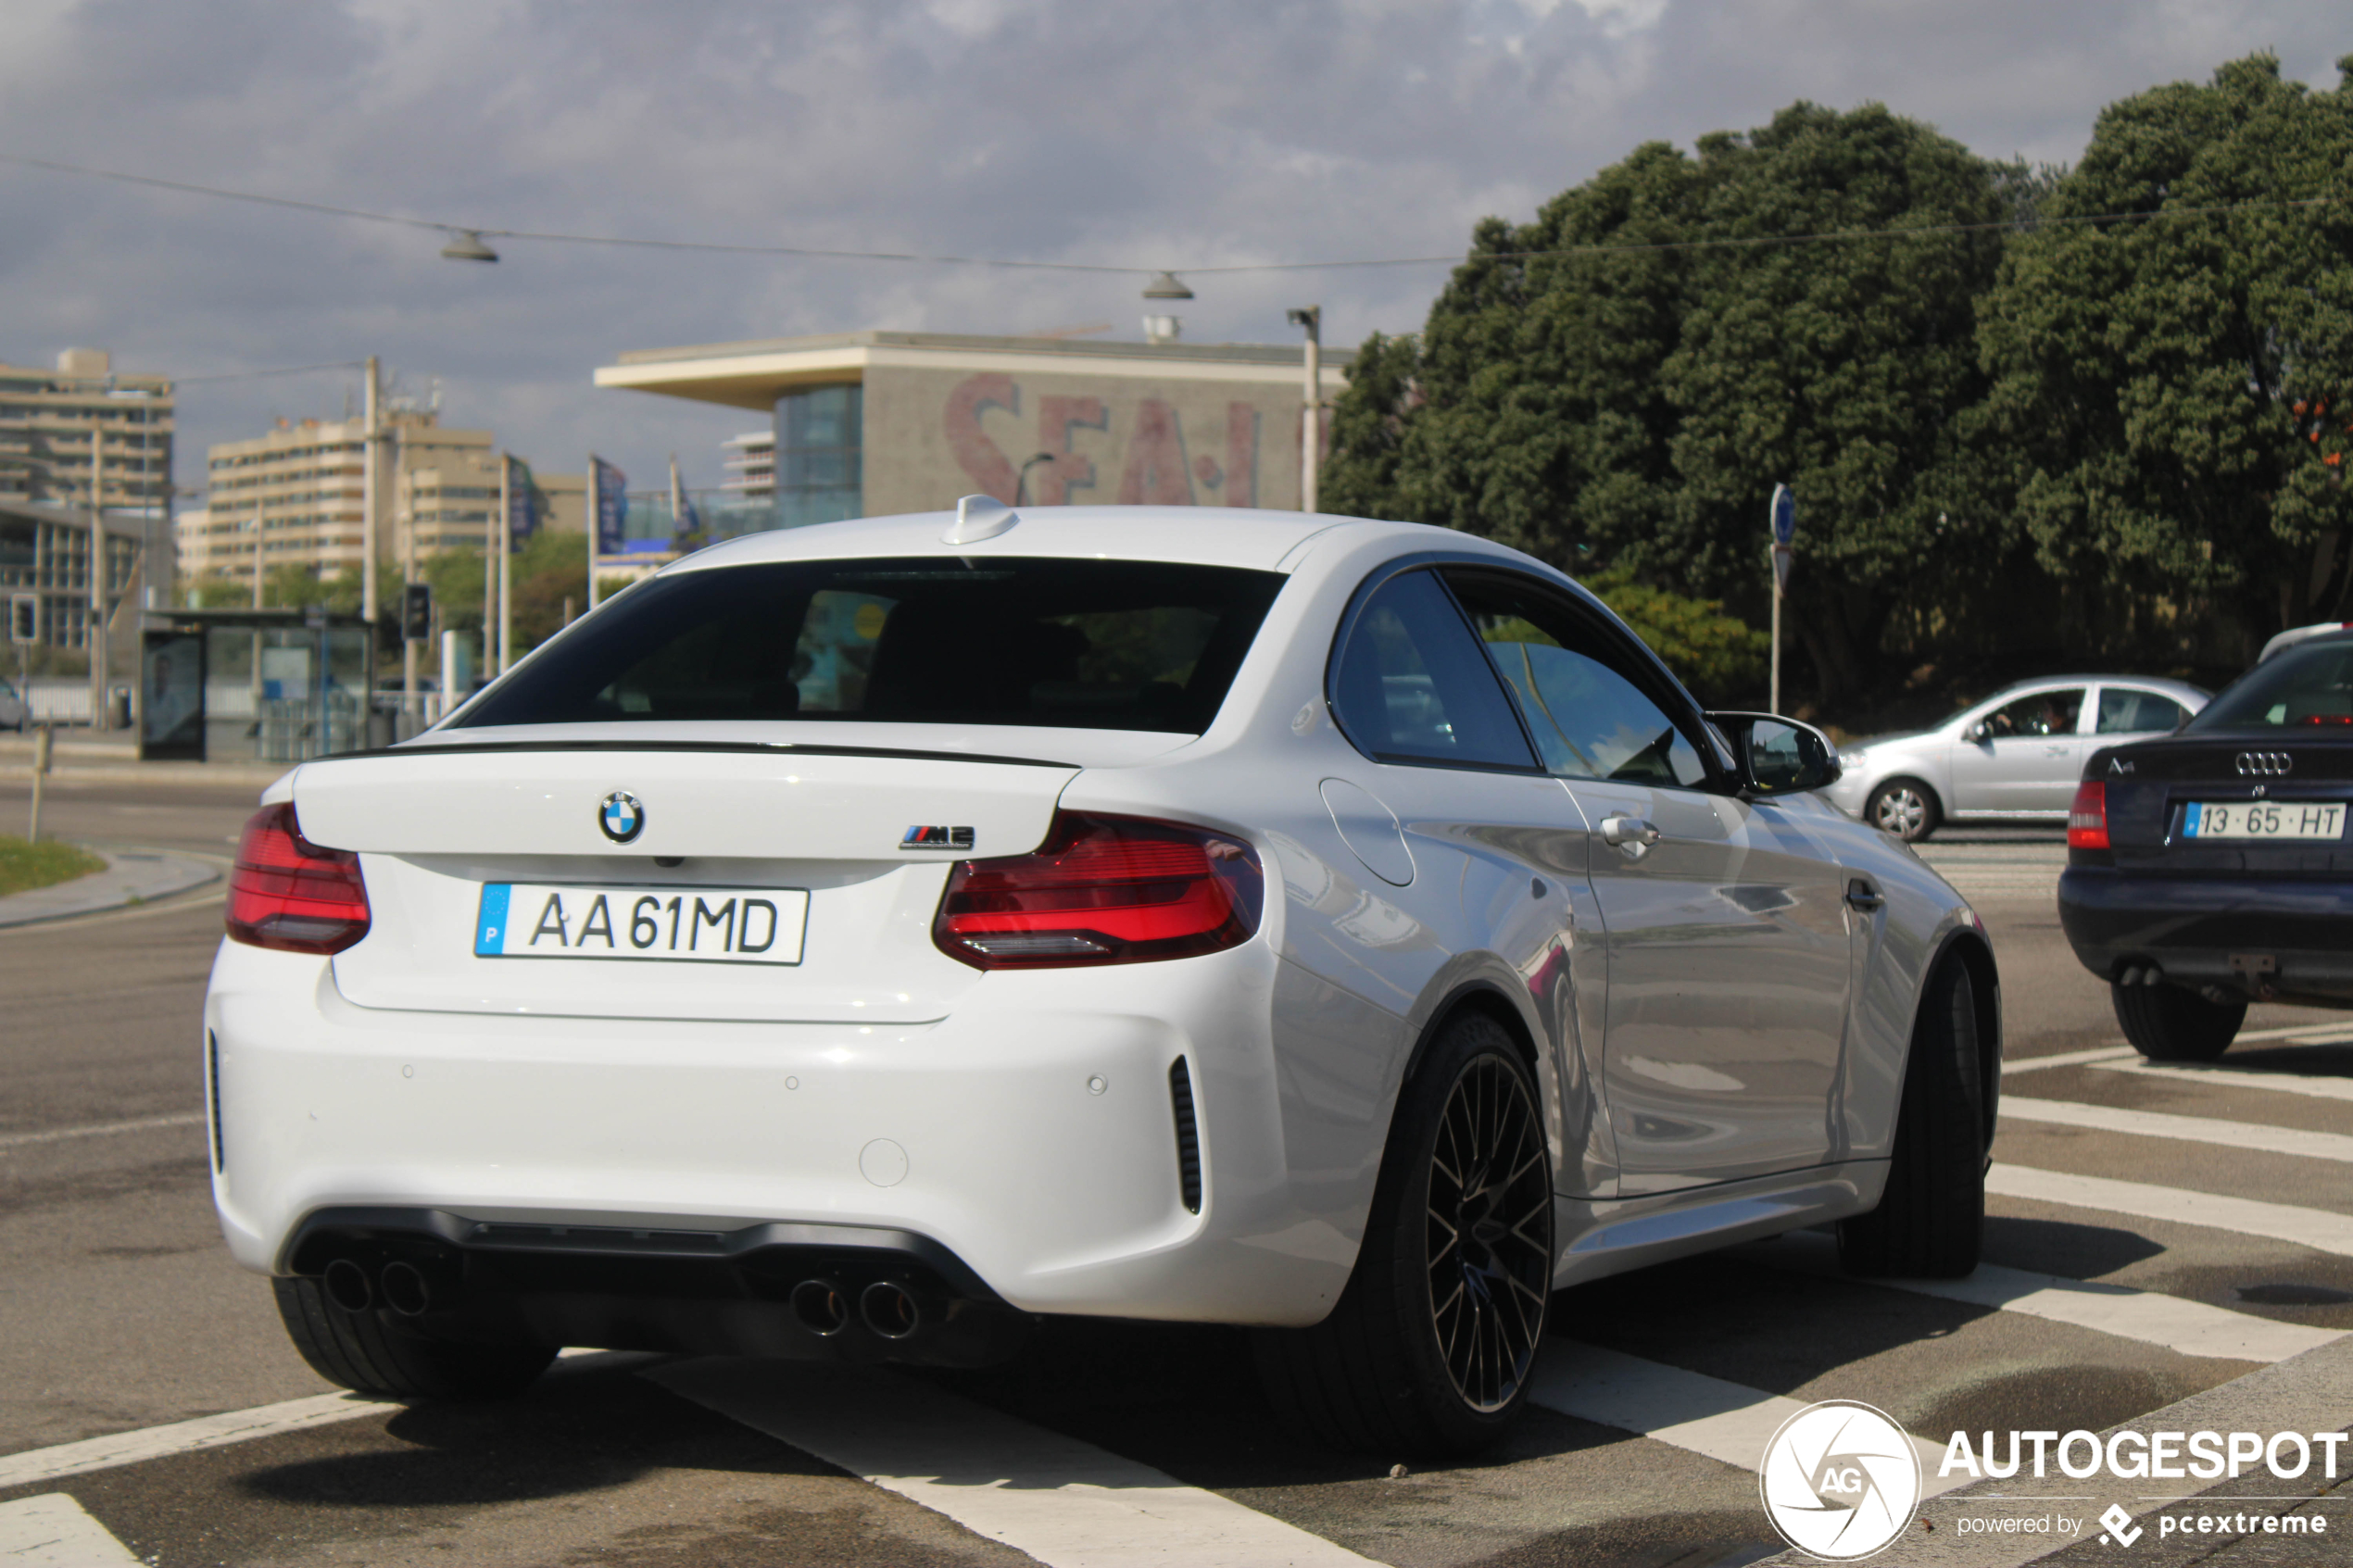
(1166, 285)
(1021, 481)
(465, 244)
(1310, 319)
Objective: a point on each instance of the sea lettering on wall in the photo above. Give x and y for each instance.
(1146, 441)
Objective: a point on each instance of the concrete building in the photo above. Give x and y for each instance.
(45, 551)
(750, 461)
(876, 422)
(45, 420)
(297, 491)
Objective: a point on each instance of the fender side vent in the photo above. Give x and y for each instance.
(1180, 1092)
(212, 1086)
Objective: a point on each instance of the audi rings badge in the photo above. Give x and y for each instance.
(2265, 764)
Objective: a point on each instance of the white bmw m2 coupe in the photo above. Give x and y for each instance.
(864, 940)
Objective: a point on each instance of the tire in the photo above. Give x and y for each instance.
(2169, 1023)
(1930, 1219)
(1432, 1346)
(365, 1352)
(1905, 808)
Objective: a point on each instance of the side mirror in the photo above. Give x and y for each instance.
(1778, 756)
(1979, 733)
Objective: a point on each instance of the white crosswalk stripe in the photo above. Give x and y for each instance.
(2192, 1328)
(2253, 1136)
(2315, 1228)
(2312, 1087)
(1066, 1503)
(2066, 1059)
(1686, 1410)
(51, 1531)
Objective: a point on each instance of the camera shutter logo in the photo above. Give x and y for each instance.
(1841, 1480)
(621, 816)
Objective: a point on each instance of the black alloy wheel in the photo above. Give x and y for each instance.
(1432, 1347)
(1490, 1208)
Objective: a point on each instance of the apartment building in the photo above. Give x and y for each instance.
(749, 463)
(297, 491)
(46, 417)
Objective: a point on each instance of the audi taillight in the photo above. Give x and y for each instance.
(288, 892)
(2087, 819)
(1102, 890)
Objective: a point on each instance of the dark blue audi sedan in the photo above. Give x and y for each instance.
(2210, 868)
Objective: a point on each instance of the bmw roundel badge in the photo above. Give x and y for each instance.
(621, 815)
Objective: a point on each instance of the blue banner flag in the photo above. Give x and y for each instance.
(522, 504)
(612, 490)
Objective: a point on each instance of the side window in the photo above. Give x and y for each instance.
(1412, 685)
(1590, 717)
(2045, 713)
(2125, 711)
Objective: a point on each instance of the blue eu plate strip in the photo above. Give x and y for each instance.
(2190, 815)
(490, 929)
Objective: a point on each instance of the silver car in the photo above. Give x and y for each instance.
(15, 712)
(2013, 756)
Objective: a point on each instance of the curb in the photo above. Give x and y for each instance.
(131, 875)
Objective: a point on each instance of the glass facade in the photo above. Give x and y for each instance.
(820, 455)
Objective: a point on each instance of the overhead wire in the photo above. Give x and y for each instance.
(1454, 259)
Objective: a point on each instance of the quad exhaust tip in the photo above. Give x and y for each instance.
(347, 1287)
(823, 1310)
(406, 1289)
(889, 1310)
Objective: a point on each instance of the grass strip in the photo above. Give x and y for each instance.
(25, 866)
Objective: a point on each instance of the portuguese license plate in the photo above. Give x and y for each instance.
(2263, 819)
(530, 920)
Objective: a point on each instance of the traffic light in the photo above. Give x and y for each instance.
(416, 610)
(24, 618)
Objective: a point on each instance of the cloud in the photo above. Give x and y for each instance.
(1150, 135)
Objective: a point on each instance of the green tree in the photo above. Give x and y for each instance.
(2175, 388)
(1631, 393)
(1719, 656)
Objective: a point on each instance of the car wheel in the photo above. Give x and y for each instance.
(367, 1352)
(2170, 1023)
(1905, 808)
(1431, 1347)
(1932, 1217)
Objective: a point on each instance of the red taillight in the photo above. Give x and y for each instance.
(2087, 819)
(288, 892)
(1102, 890)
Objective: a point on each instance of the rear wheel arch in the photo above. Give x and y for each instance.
(1481, 993)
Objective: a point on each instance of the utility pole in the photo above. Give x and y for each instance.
(1311, 421)
(369, 495)
(407, 518)
(506, 573)
(492, 562)
(96, 639)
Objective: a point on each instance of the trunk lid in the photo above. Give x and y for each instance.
(2149, 787)
(434, 825)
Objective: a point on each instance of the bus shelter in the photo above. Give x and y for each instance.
(258, 685)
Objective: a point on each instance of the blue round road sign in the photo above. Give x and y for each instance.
(1785, 514)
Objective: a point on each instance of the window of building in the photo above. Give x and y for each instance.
(820, 455)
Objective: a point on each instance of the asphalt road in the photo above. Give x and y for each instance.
(119, 1312)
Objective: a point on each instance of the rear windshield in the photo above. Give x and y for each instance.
(1075, 644)
(2306, 688)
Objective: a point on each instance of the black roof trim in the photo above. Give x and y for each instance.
(797, 748)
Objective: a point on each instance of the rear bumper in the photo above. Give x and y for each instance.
(1032, 1138)
(2192, 929)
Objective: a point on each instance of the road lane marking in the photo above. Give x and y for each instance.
(2315, 1228)
(2313, 1088)
(1066, 1503)
(2066, 1059)
(101, 1129)
(2308, 1034)
(2259, 1136)
(231, 1426)
(183, 1436)
(1725, 1421)
(2192, 1328)
(51, 1531)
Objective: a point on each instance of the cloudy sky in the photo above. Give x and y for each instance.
(1132, 132)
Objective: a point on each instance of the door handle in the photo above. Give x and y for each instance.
(1622, 832)
(1862, 896)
